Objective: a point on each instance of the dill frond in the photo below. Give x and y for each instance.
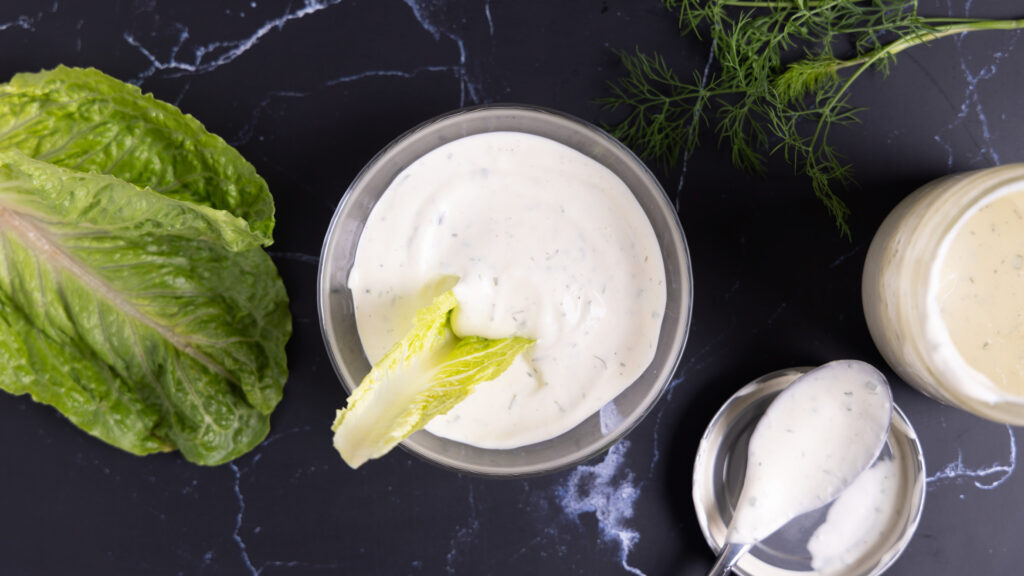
(763, 100)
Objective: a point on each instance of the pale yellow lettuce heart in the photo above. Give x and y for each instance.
(427, 373)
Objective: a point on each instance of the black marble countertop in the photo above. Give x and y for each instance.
(309, 92)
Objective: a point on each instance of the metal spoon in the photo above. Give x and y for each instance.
(818, 435)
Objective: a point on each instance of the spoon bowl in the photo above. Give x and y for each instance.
(812, 442)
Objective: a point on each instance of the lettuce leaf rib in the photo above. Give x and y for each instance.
(424, 375)
(75, 383)
(35, 239)
(167, 312)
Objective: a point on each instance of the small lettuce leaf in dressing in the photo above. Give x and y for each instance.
(151, 323)
(85, 120)
(427, 373)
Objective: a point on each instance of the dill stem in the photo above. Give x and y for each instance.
(909, 41)
(769, 4)
(895, 47)
(992, 24)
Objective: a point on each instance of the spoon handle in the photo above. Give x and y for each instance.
(728, 557)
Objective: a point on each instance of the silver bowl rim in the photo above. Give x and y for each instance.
(754, 390)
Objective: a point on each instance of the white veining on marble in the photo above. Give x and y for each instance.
(328, 568)
(971, 108)
(246, 133)
(295, 256)
(185, 58)
(695, 121)
(732, 290)
(698, 359)
(490, 21)
(607, 491)
(842, 257)
(464, 535)
(949, 152)
(426, 13)
(97, 465)
(28, 22)
(236, 535)
(279, 435)
(248, 130)
(419, 8)
(181, 93)
(207, 559)
(208, 57)
(655, 449)
(394, 73)
(775, 315)
(22, 22)
(972, 100)
(986, 478)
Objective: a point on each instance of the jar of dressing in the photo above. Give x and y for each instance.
(943, 291)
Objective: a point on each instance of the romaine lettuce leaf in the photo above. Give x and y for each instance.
(83, 119)
(151, 323)
(427, 373)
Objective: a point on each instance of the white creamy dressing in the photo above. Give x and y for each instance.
(856, 519)
(547, 244)
(977, 307)
(815, 438)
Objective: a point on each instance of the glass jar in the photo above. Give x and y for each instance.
(908, 291)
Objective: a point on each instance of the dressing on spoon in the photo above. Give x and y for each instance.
(813, 441)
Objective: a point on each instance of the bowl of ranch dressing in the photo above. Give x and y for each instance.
(556, 232)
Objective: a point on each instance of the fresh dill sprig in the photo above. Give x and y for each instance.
(779, 87)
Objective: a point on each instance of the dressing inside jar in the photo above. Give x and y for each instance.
(943, 291)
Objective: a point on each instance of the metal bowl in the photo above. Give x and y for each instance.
(719, 470)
